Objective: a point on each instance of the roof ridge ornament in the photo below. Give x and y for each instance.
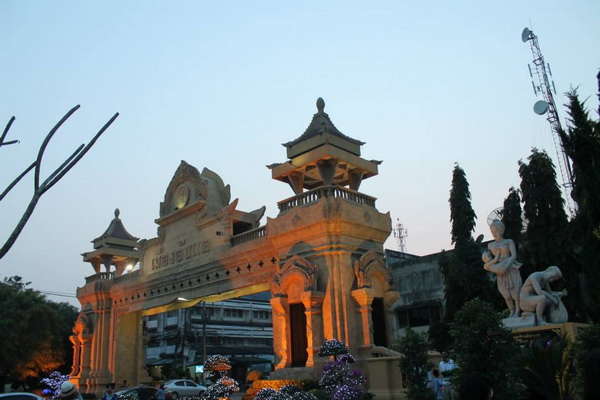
(320, 104)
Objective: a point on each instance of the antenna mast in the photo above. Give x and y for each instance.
(543, 86)
(400, 233)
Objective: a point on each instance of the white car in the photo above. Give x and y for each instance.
(183, 387)
(20, 396)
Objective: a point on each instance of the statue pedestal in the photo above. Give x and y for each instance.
(524, 321)
(525, 335)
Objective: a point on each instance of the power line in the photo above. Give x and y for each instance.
(60, 294)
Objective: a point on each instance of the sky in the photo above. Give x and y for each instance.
(222, 84)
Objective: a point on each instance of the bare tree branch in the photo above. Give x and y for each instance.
(2, 142)
(52, 179)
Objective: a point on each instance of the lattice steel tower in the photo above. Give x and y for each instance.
(542, 85)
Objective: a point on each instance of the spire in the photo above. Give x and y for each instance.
(115, 230)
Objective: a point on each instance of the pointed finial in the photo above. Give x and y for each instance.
(117, 213)
(320, 104)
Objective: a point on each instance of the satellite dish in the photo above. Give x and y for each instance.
(541, 107)
(495, 215)
(525, 35)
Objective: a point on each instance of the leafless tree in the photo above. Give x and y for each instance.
(43, 187)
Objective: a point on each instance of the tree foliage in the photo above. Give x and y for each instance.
(548, 371)
(587, 340)
(462, 215)
(546, 239)
(581, 142)
(482, 344)
(512, 217)
(34, 339)
(415, 364)
(544, 211)
(464, 277)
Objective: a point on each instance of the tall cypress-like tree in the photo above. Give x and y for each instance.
(462, 215)
(463, 271)
(544, 210)
(546, 239)
(581, 142)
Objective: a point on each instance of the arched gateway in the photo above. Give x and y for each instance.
(321, 259)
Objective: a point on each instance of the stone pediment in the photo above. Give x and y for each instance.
(190, 190)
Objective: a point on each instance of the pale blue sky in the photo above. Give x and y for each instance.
(222, 84)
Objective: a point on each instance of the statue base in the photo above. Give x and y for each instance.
(524, 335)
(527, 320)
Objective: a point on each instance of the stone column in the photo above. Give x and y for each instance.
(76, 369)
(364, 299)
(313, 302)
(389, 298)
(280, 334)
(86, 352)
(129, 354)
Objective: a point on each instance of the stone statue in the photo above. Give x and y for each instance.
(501, 260)
(537, 297)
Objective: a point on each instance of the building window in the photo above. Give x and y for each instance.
(418, 316)
(234, 313)
(261, 314)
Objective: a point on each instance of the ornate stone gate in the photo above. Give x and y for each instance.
(321, 258)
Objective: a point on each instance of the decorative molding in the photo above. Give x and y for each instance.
(295, 266)
(369, 264)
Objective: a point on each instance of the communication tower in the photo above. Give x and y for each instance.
(542, 85)
(400, 233)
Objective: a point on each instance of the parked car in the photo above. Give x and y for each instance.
(20, 396)
(183, 387)
(140, 392)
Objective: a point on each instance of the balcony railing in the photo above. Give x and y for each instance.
(315, 195)
(100, 276)
(250, 235)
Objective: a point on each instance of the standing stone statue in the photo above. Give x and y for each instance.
(537, 297)
(501, 259)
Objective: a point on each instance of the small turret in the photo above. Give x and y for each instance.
(115, 247)
(323, 156)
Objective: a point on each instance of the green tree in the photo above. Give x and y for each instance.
(482, 344)
(512, 217)
(548, 372)
(546, 240)
(462, 215)
(544, 210)
(581, 142)
(34, 334)
(587, 339)
(464, 276)
(415, 364)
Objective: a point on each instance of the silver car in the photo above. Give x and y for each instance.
(183, 387)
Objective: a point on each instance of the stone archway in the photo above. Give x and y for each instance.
(319, 257)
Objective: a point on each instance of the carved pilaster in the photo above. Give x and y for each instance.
(76, 369)
(280, 343)
(313, 302)
(389, 298)
(364, 298)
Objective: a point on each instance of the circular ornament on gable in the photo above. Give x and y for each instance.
(181, 197)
